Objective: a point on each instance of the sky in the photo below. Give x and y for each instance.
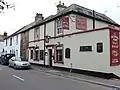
(25, 10)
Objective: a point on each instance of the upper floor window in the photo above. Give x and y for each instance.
(62, 23)
(59, 26)
(6, 42)
(17, 39)
(11, 41)
(36, 33)
(81, 23)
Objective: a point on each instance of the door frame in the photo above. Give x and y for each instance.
(50, 57)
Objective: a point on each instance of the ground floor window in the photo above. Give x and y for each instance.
(99, 47)
(36, 55)
(41, 54)
(31, 54)
(67, 53)
(59, 54)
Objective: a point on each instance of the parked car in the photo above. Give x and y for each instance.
(4, 60)
(19, 63)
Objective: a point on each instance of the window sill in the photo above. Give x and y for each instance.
(59, 62)
(36, 60)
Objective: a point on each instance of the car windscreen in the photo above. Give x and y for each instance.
(21, 59)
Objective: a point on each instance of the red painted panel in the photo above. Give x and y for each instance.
(65, 22)
(81, 23)
(111, 26)
(114, 48)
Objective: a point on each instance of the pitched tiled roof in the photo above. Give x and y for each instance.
(84, 11)
(72, 8)
(23, 29)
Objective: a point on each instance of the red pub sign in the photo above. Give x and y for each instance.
(81, 23)
(65, 22)
(114, 48)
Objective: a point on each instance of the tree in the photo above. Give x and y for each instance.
(4, 5)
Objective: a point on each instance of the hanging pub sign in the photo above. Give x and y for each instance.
(114, 48)
(81, 23)
(65, 22)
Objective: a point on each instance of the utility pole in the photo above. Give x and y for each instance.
(93, 19)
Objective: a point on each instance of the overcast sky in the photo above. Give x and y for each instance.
(24, 14)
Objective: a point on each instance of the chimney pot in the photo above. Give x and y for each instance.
(39, 16)
(5, 33)
(60, 7)
(59, 2)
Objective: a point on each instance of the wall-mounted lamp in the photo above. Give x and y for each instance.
(47, 38)
(58, 43)
(46, 53)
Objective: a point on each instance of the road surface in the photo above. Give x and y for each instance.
(11, 79)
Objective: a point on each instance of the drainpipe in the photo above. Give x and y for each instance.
(44, 41)
(93, 19)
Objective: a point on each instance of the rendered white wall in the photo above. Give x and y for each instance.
(92, 61)
(1, 47)
(85, 60)
(15, 46)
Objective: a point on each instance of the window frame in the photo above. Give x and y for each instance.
(41, 54)
(11, 41)
(68, 50)
(36, 57)
(16, 39)
(59, 26)
(60, 61)
(6, 42)
(37, 33)
(97, 47)
(86, 48)
(31, 54)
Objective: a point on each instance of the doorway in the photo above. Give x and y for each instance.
(50, 57)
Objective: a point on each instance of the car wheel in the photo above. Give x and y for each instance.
(9, 65)
(15, 67)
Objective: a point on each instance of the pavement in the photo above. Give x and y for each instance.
(11, 79)
(112, 83)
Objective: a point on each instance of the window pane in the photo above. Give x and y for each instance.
(85, 48)
(59, 55)
(41, 54)
(36, 55)
(100, 47)
(31, 54)
(67, 53)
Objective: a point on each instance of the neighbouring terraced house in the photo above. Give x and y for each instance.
(2, 43)
(76, 37)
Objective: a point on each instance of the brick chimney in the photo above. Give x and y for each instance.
(39, 17)
(60, 7)
(5, 33)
